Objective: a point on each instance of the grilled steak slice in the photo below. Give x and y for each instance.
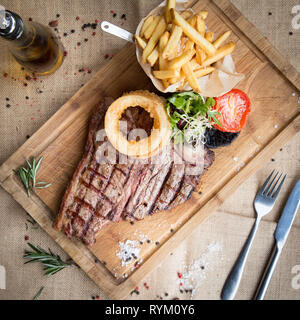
(108, 186)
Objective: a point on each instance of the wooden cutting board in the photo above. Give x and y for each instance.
(273, 87)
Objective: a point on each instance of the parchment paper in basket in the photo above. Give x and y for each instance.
(221, 80)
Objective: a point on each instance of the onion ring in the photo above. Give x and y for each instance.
(161, 132)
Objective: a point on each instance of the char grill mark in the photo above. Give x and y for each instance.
(190, 182)
(142, 181)
(150, 193)
(170, 188)
(130, 189)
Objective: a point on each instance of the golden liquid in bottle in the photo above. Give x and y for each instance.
(38, 49)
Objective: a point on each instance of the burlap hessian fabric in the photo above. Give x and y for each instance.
(204, 258)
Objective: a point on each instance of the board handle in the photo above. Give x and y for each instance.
(117, 31)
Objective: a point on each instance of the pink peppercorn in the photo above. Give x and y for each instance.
(146, 286)
(94, 33)
(5, 75)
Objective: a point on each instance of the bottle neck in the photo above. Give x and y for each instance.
(11, 25)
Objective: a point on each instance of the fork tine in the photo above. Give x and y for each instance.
(274, 196)
(271, 192)
(266, 192)
(261, 190)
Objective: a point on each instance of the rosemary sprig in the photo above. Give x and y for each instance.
(28, 176)
(52, 263)
(38, 294)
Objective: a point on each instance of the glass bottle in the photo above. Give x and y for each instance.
(33, 45)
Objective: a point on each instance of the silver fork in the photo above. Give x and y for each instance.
(263, 204)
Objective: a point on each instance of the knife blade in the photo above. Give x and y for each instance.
(288, 215)
(281, 233)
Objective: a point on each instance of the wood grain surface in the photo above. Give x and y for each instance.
(269, 82)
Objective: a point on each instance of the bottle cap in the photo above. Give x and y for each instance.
(11, 25)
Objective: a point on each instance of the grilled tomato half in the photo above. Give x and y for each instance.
(233, 108)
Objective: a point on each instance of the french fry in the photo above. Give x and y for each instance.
(203, 14)
(192, 21)
(194, 64)
(163, 63)
(170, 5)
(189, 45)
(173, 80)
(170, 27)
(193, 34)
(163, 41)
(153, 57)
(186, 14)
(190, 76)
(165, 74)
(142, 43)
(177, 79)
(209, 36)
(183, 41)
(178, 62)
(146, 24)
(203, 72)
(158, 32)
(149, 31)
(217, 44)
(172, 45)
(221, 53)
(200, 25)
(200, 55)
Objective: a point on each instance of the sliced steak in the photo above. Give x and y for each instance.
(108, 186)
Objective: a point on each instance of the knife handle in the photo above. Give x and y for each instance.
(266, 278)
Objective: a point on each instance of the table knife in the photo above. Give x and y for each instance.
(281, 233)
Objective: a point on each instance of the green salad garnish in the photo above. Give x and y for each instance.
(190, 114)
